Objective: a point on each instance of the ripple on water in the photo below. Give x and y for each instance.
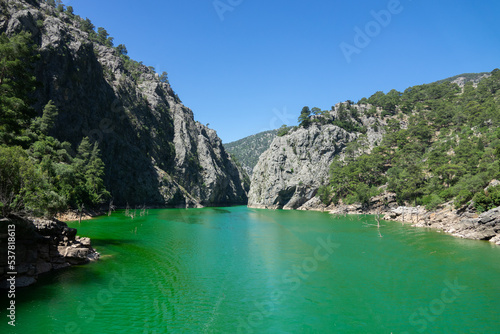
(201, 270)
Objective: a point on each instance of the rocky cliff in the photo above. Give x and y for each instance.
(289, 173)
(154, 151)
(41, 246)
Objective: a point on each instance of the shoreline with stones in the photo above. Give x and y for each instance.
(42, 245)
(464, 222)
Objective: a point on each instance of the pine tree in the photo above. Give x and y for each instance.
(17, 55)
(304, 117)
(43, 124)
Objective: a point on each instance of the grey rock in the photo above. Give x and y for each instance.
(290, 172)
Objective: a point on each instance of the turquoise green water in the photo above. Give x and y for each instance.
(240, 270)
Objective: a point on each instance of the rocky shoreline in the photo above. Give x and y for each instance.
(467, 225)
(42, 245)
(463, 223)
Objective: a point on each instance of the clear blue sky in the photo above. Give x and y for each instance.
(255, 69)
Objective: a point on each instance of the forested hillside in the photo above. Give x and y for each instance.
(248, 150)
(431, 144)
(442, 143)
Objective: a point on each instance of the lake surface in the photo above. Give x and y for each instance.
(240, 270)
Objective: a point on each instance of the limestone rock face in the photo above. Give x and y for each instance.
(290, 172)
(155, 152)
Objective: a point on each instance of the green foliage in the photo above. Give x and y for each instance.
(18, 180)
(87, 26)
(103, 37)
(122, 50)
(133, 67)
(304, 118)
(387, 102)
(488, 199)
(283, 130)
(46, 122)
(357, 179)
(248, 150)
(316, 111)
(431, 201)
(325, 194)
(348, 119)
(449, 148)
(17, 55)
(164, 77)
(38, 174)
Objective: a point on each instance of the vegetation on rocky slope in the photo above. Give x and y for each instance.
(38, 173)
(442, 143)
(248, 150)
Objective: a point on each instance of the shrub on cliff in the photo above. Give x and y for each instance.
(488, 199)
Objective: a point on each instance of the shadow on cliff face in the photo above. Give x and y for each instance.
(284, 196)
(88, 108)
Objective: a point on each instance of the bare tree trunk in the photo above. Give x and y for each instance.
(110, 207)
(81, 211)
(377, 218)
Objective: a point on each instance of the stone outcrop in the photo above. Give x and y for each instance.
(154, 151)
(41, 246)
(290, 172)
(468, 225)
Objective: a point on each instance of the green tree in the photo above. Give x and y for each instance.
(316, 111)
(87, 25)
(164, 77)
(488, 199)
(304, 118)
(22, 187)
(449, 174)
(89, 170)
(45, 123)
(122, 50)
(59, 6)
(283, 130)
(103, 37)
(17, 56)
(325, 194)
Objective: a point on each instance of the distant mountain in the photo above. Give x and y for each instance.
(462, 79)
(248, 150)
